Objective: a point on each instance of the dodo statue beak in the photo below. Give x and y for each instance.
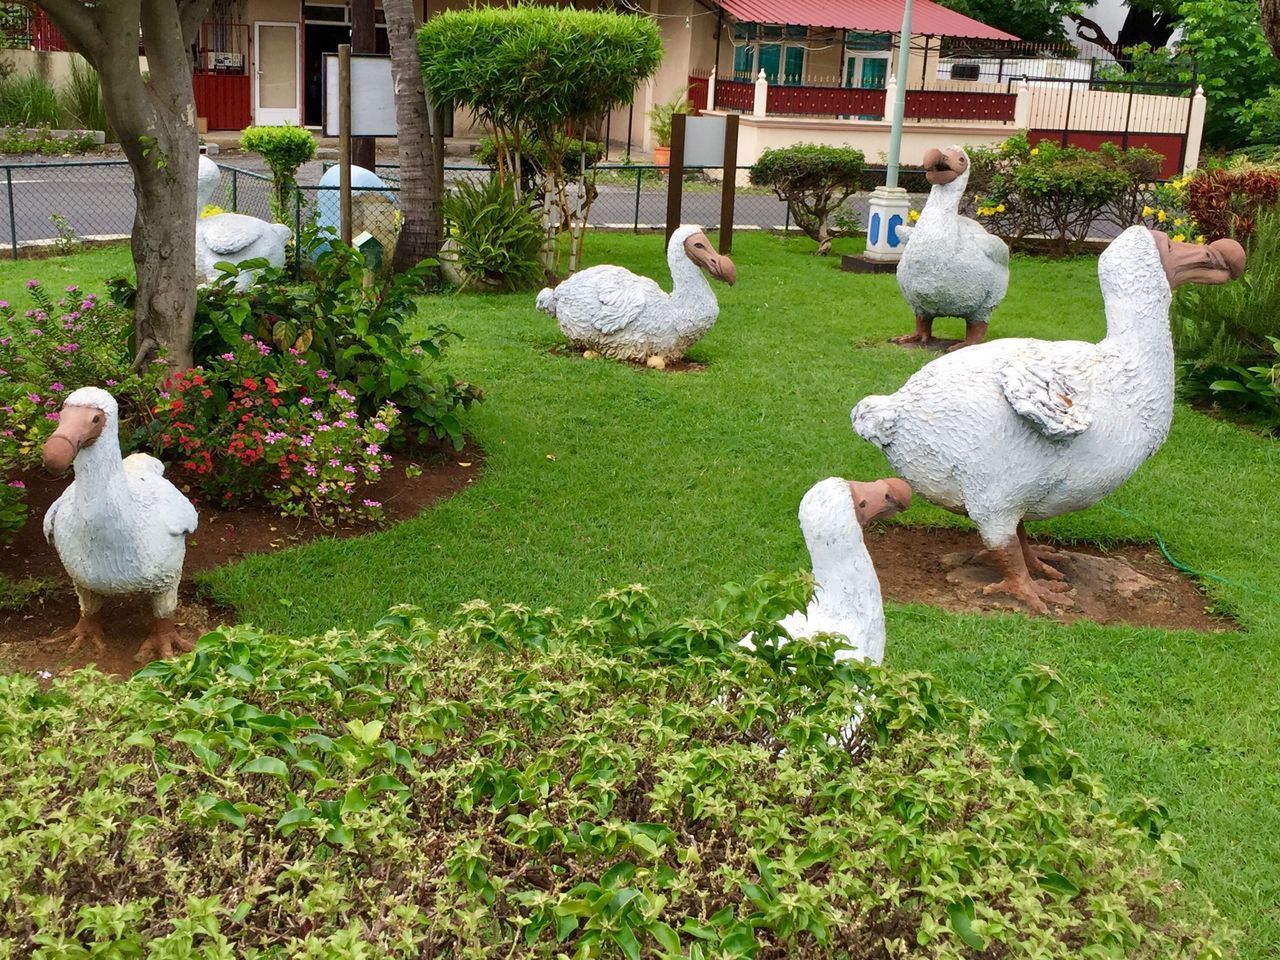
(943, 166)
(1217, 262)
(698, 249)
(78, 427)
(879, 499)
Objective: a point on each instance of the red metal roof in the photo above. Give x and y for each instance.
(877, 16)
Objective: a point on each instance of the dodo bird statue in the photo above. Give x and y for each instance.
(951, 266)
(1021, 429)
(120, 527)
(232, 237)
(616, 313)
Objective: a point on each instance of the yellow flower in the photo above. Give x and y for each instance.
(1147, 211)
(913, 216)
(1179, 237)
(1161, 216)
(1000, 208)
(210, 210)
(1178, 221)
(1200, 238)
(1034, 151)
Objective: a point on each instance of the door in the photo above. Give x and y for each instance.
(275, 89)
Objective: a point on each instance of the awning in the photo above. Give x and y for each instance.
(875, 16)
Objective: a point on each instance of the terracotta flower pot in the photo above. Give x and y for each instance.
(662, 156)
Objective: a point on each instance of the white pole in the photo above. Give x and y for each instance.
(899, 97)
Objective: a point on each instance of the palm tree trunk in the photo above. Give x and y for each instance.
(419, 194)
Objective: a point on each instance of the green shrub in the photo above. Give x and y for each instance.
(815, 181)
(42, 141)
(1225, 336)
(1058, 192)
(82, 101)
(579, 155)
(284, 149)
(520, 784)
(495, 239)
(29, 100)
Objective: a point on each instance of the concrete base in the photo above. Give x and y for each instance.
(863, 264)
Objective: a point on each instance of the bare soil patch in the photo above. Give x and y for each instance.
(936, 344)
(683, 365)
(1129, 583)
(224, 536)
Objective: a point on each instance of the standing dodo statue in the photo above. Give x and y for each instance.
(618, 314)
(951, 266)
(119, 528)
(1021, 429)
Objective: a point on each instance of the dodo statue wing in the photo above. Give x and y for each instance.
(226, 233)
(622, 297)
(993, 248)
(156, 497)
(1047, 384)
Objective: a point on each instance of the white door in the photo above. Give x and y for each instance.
(275, 82)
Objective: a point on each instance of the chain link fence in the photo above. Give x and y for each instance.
(55, 206)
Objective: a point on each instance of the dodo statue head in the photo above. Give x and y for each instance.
(944, 166)
(695, 246)
(85, 414)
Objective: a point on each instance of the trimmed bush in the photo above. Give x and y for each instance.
(1058, 192)
(815, 181)
(1226, 203)
(284, 149)
(520, 784)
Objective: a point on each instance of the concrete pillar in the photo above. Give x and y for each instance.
(890, 94)
(711, 90)
(762, 96)
(887, 210)
(1195, 132)
(1022, 106)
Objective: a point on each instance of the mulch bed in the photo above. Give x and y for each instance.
(1128, 583)
(224, 536)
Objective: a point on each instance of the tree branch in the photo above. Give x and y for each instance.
(78, 24)
(191, 14)
(1099, 37)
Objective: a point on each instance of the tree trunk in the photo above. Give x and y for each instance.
(364, 39)
(1270, 11)
(419, 197)
(155, 118)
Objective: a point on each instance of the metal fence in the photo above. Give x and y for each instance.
(56, 205)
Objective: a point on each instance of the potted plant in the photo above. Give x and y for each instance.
(660, 115)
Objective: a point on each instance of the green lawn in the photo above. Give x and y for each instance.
(599, 474)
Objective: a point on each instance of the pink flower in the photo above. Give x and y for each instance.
(34, 397)
(380, 426)
(33, 284)
(110, 382)
(73, 289)
(306, 401)
(56, 387)
(372, 503)
(322, 373)
(335, 463)
(18, 484)
(247, 338)
(371, 449)
(310, 470)
(4, 304)
(228, 357)
(305, 439)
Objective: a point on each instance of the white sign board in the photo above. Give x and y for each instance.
(373, 96)
(704, 142)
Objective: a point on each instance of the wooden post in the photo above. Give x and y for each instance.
(675, 174)
(344, 140)
(729, 188)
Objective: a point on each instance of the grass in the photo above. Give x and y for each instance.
(599, 474)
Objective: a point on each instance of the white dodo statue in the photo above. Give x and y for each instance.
(119, 528)
(232, 237)
(951, 266)
(613, 312)
(846, 592)
(1021, 429)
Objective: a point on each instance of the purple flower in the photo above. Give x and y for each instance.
(310, 470)
(247, 338)
(86, 306)
(380, 426)
(37, 332)
(32, 284)
(371, 449)
(322, 373)
(73, 289)
(4, 304)
(374, 468)
(34, 397)
(264, 349)
(110, 382)
(306, 401)
(305, 440)
(56, 387)
(350, 468)
(335, 463)
(52, 416)
(228, 357)
(372, 503)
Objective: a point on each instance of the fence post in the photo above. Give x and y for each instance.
(636, 220)
(890, 95)
(1190, 158)
(1022, 106)
(13, 219)
(1128, 115)
(297, 233)
(711, 89)
(235, 189)
(760, 105)
(1066, 120)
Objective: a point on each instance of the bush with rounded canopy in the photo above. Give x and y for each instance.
(284, 149)
(815, 181)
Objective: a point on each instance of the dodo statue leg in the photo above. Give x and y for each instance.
(923, 332)
(164, 641)
(88, 629)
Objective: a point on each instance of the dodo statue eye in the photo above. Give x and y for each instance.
(97, 417)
